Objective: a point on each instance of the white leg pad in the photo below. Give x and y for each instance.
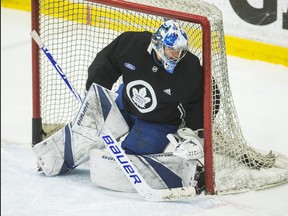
(63, 151)
(49, 156)
(70, 146)
(106, 173)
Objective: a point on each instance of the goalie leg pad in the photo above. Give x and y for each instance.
(63, 151)
(49, 156)
(99, 109)
(160, 171)
(70, 146)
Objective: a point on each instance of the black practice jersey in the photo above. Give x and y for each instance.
(150, 93)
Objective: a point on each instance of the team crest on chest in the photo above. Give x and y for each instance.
(142, 95)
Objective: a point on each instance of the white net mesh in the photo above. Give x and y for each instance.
(74, 31)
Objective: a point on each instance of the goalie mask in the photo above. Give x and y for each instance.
(170, 44)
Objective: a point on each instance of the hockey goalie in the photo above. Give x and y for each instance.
(159, 103)
(80, 140)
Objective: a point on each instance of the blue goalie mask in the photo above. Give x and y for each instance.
(170, 44)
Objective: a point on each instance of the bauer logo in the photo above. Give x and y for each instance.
(82, 113)
(122, 159)
(130, 66)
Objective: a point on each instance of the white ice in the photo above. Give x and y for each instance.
(260, 92)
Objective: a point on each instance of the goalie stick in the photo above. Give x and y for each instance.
(38, 40)
(119, 155)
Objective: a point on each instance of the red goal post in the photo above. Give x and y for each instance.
(75, 30)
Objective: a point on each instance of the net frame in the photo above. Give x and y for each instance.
(222, 132)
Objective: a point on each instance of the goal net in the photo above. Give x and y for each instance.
(74, 31)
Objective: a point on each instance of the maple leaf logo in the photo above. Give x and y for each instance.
(139, 97)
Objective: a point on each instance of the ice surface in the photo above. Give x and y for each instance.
(260, 92)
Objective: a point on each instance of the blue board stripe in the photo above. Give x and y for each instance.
(68, 155)
(105, 103)
(169, 178)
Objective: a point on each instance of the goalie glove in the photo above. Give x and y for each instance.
(187, 144)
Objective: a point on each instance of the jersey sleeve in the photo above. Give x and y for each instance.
(194, 113)
(194, 108)
(104, 69)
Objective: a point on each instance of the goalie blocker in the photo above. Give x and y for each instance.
(79, 140)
